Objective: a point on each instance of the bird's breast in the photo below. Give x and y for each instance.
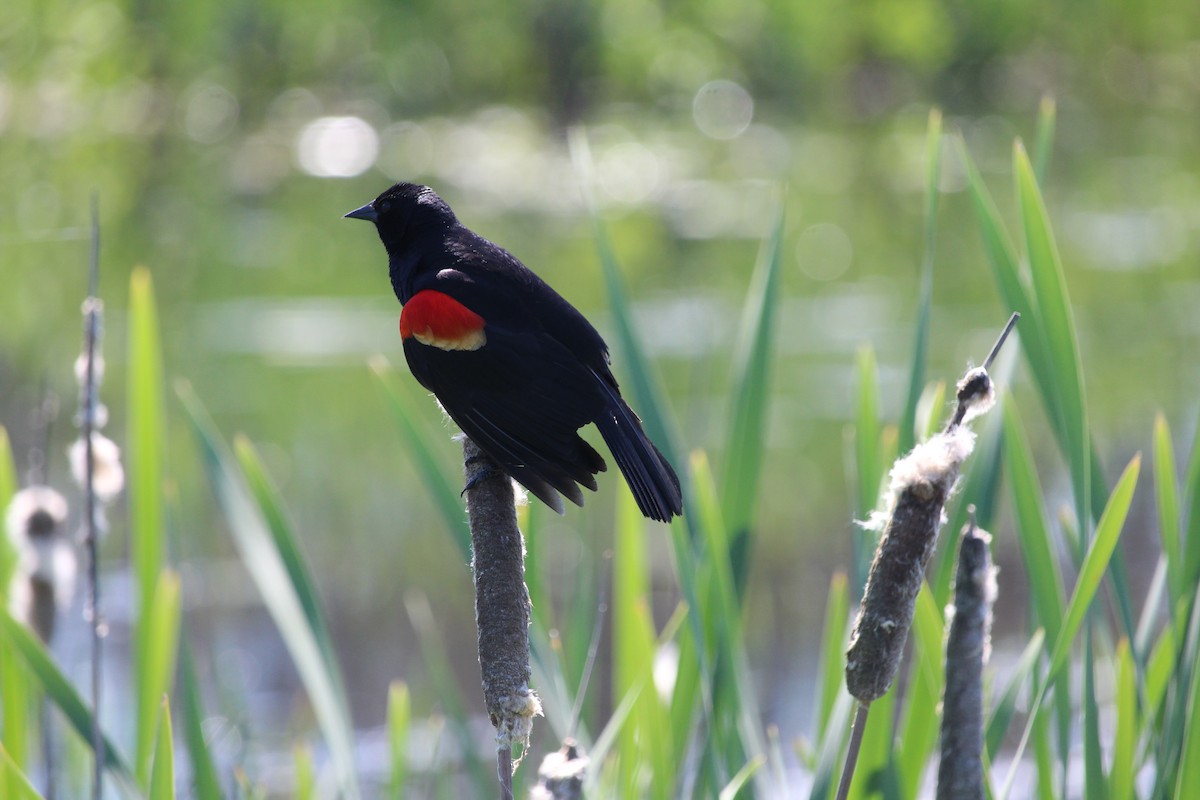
(436, 319)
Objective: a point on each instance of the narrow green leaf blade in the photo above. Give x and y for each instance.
(13, 781)
(160, 625)
(205, 783)
(399, 720)
(1005, 708)
(144, 464)
(421, 444)
(1191, 504)
(1057, 319)
(1095, 563)
(273, 574)
(919, 721)
(1124, 751)
(162, 778)
(17, 695)
(1167, 496)
(1044, 137)
(306, 773)
(60, 690)
(833, 648)
(1033, 534)
(742, 777)
(751, 387)
(1189, 762)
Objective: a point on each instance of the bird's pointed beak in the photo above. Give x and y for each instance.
(367, 212)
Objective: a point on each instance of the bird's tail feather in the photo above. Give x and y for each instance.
(650, 476)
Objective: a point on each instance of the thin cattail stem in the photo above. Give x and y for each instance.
(960, 771)
(856, 737)
(90, 534)
(502, 610)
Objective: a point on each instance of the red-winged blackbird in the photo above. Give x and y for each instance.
(513, 363)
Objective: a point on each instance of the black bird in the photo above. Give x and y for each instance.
(516, 367)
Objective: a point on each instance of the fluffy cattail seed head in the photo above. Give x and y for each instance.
(108, 476)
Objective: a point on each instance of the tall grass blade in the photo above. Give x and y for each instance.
(8, 487)
(160, 628)
(1005, 707)
(1189, 763)
(875, 772)
(1002, 256)
(1050, 290)
(306, 774)
(647, 388)
(733, 693)
(742, 778)
(422, 445)
(919, 723)
(270, 555)
(146, 529)
(1191, 504)
(1095, 563)
(1124, 750)
(441, 674)
(1043, 142)
(60, 690)
(205, 783)
(13, 781)
(833, 648)
(746, 437)
(1167, 496)
(16, 696)
(1033, 534)
(916, 376)
(399, 717)
(162, 777)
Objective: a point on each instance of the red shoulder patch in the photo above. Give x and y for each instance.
(436, 319)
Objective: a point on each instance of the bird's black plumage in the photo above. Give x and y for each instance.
(516, 366)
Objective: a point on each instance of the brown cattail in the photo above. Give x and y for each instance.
(921, 482)
(502, 609)
(960, 773)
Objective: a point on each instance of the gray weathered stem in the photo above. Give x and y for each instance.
(502, 608)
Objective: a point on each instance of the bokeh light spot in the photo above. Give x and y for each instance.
(337, 147)
(824, 251)
(722, 109)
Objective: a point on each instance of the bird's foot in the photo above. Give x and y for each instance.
(480, 468)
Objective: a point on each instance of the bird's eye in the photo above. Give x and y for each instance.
(385, 207)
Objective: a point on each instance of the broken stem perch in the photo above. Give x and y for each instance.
(502, 609)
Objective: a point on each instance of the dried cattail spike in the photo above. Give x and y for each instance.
(960, 773)
(921, 482)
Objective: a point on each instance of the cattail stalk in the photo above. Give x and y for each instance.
(960, 772)
(91, 332)
(502, 608)
(921, 483)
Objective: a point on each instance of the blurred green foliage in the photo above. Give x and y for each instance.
(188, 121)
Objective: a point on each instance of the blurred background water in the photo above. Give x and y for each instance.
(225, 140)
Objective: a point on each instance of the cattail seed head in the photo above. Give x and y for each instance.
(968, 642)
(34, 521)
(81, 365)
(108, 476)
(46, 566)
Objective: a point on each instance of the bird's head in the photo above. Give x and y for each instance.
(404, 211)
